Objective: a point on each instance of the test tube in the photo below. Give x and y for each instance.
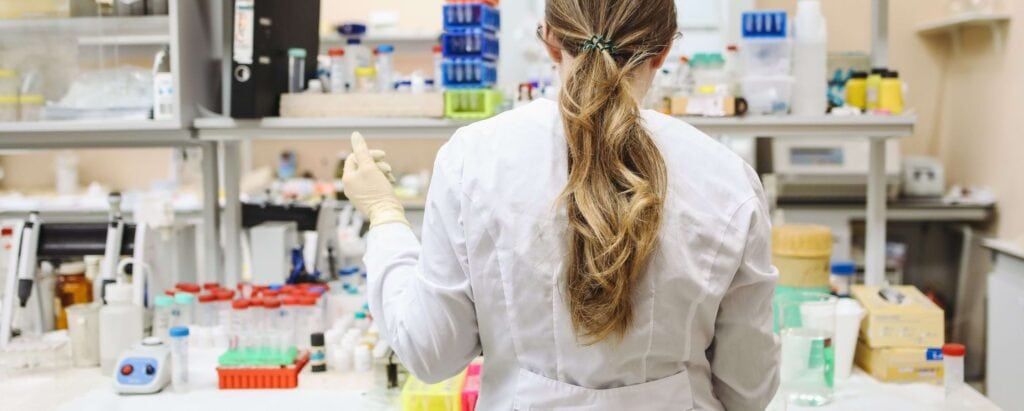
(185, 306)
(271, 330)
(207, 310)
(296, 70)
(240, 323)
(179, 359)
(291, 306)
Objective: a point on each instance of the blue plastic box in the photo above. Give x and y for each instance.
(471, 15)
(469, 72)
(471, 43)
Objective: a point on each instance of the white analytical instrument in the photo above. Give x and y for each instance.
(143, 369)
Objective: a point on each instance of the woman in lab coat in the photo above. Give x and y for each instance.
(600, 256)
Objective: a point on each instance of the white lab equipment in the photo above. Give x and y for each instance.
(849, 313)
(507, 243)
(272, 244)
(829, 168)
(112, 251)
(385, 68)
(810, 60)
(923, 177)
(179, 359)
(120, 324)
(144, 368)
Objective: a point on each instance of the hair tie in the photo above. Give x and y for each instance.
(599, 43)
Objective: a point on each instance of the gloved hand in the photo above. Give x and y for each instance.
(368, 187)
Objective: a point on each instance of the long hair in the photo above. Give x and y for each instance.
(617, 176)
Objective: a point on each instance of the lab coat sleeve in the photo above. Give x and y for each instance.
(420, 295)
(745, 365)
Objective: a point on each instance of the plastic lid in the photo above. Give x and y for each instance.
(360, 315)
(179, 331)
(170, 293)
(891, 74)
(385, 48)
(297, 52)
(765, 24)
(879, 70)
(270, 293)
(349, 270)
(858, 74)
(188, 287)
(954, 350)
(272, 303)
(354, 41)
(224, 295)
(207, 298)
(119, 293)
(807, 241)
(366, 72)
(844, 268)
(240, 304)
(255, 301)
(732, 47)
(74, 268)
(307, 300)
(437, 48)
(316, 339)
(336, 52)
(211, 286)
(184, 298)
(352, 29)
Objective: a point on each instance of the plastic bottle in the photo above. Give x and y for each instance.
(438, 68)
(317, 356)
(890, 94)
(842, 277)
(733, 69)
(362, 323)
(363, 358)
(163, 86)
(296, 70)
(179, 359)
(339, 75)
(953, 376)
(356, 56)
(72, 288)
(240, 325)
(120, 325)
(185, 305)
(385, 68)
(162, 316)
(857, 90)
(874, 87)
(810, 60)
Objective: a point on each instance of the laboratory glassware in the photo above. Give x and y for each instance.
(179, 359)
(72, 288)
(807, 322)
(83, 330)
(120, 325)
(163, 316)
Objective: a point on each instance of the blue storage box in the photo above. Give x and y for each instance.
(471, 15)
(469, 72)
(475, 42)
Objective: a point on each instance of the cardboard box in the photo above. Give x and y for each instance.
(901, 364)
(903, 318)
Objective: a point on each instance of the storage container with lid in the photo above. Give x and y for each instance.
(802, 254)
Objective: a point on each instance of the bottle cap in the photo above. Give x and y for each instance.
(240, 304)
(170, 293)
(179, 332)
(879, 70)
(272, 303)
(316, 339)
(255, 302)
(385, 48)
(119, 293)
(954, 350)
(188, 287)
(207, 298)
(336, 52)
(73, 268)
(307, 300)
(211, 286)
(224, 295)
(299, 53)
(350, 270)
(163, 301)
(360, 315)
(352, 29)
(354, 41)
(270, 293)
(185, 298)
(891, 74)
(290, 300)
(859, 74)
(437, 48)
(844, 268)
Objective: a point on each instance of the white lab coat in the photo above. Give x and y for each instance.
(488, 278)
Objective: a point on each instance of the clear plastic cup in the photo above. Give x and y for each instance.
(84, 329)
(807, 323)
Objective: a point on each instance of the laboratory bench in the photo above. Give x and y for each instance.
(86, 389)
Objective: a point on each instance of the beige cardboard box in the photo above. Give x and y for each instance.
(905, 318)
(901, 364)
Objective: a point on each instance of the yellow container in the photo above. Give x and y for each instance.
(890, 95)
(874, 87)
(901, 365)
(802, 254)
(443, 396)
(906, 318)
(857, 90)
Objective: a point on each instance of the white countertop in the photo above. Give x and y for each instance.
(87, 389)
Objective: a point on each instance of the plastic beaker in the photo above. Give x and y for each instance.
(849, 313)
(807, 322)
(84, 330)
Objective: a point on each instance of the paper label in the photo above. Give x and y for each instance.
(244, 27)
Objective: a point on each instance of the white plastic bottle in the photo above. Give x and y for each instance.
(120, 325)
(339, 73)
(810, 60)
(385, 68)
(356, 56)
(438, 68)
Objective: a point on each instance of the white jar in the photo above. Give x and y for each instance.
(120, 325)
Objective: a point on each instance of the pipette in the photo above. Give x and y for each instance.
(112, 252)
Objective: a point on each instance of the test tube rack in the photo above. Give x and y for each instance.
(285, 377)
(470, 50)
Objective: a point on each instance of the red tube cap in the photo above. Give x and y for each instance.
(207, 298)
(189, 287)
(954, 350)
(211, 286)
(240, 304)
(224, 295)
(272, 303)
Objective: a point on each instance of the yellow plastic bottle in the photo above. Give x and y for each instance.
(857, 90)
(891, 93)
(874, 87)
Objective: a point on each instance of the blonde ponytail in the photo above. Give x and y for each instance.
(617, 177)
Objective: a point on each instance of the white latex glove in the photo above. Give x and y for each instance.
(367, 186)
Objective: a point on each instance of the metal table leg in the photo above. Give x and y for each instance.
(232, 168)
(874, 250)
